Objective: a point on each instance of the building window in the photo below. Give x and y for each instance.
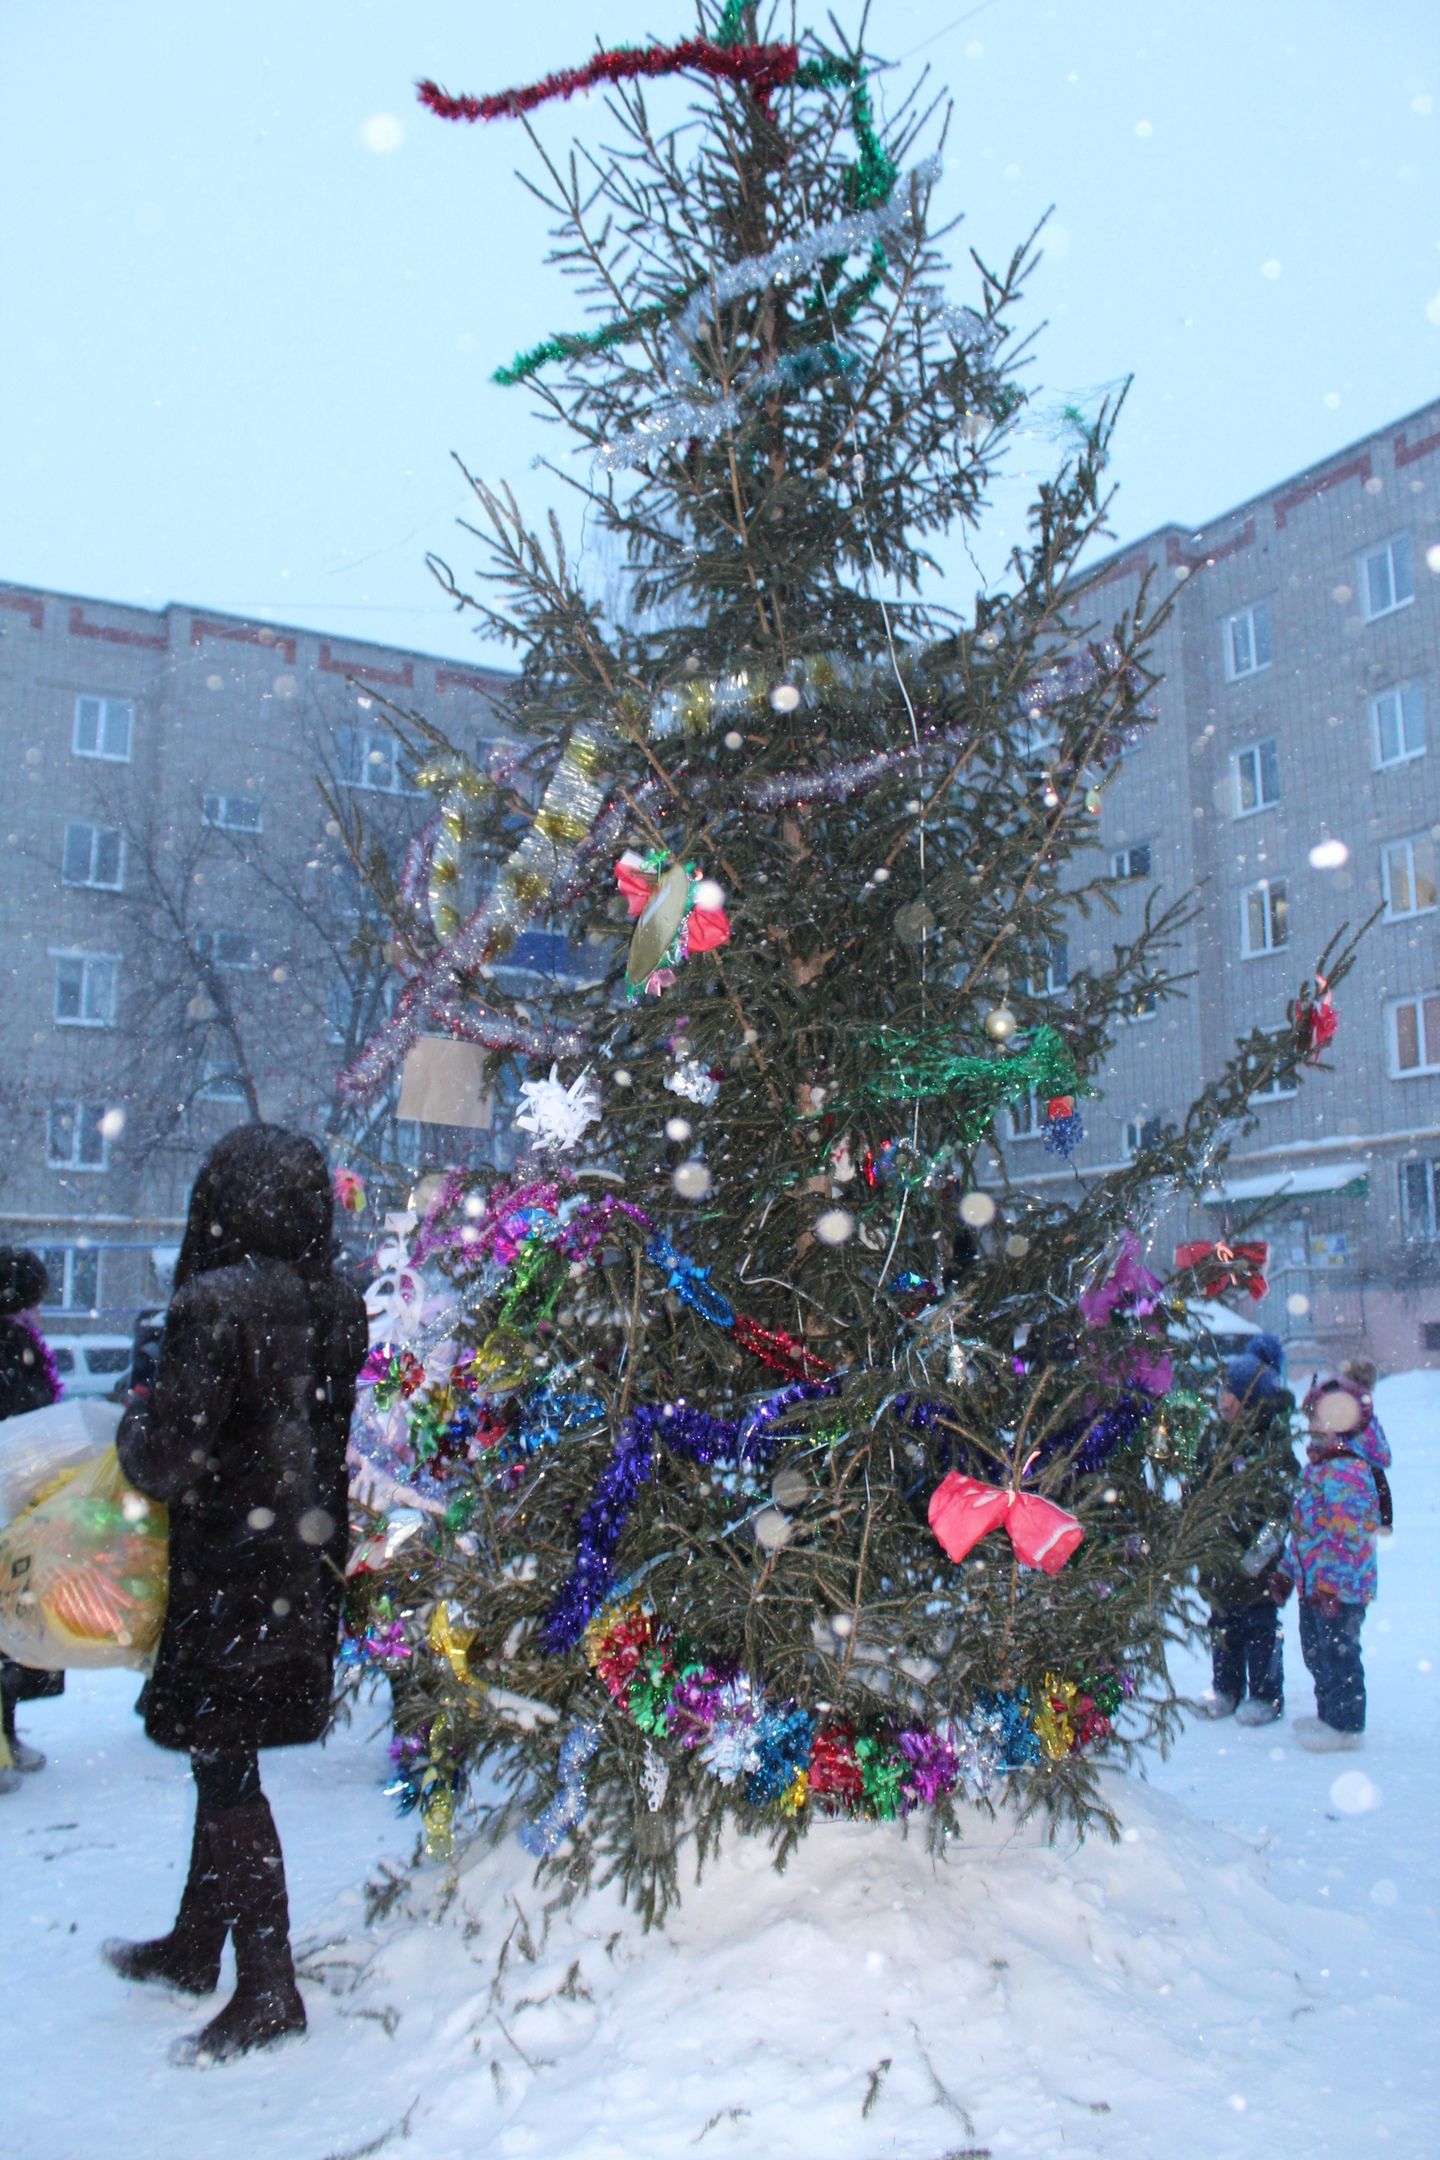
(219, 1081)
(1278, 1088)
(226, 949)
(104, 728)
(1264, 918)
(94, 856)
(85, 987)
(1415, 1035)
(1397, 721)
(76, 1136)
(1420, 1199)
(1407, 873)
(1131, 862)
(234, 813)
(1141, 1133)
(74, 1272)
(1387, 578)
(1056, 976)
(1025, 1118)
(1247, 641)
(1257, 777)
(372, 758)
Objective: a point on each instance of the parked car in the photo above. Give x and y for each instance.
(90, 1364)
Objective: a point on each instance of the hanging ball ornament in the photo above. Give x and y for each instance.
(1093, 801)
(784, 697)
(1000, 1023)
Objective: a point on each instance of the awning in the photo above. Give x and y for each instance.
(1351, 1179)
(1216, 1319)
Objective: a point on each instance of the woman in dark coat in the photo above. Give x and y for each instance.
(28, 1381)
(243, 1437)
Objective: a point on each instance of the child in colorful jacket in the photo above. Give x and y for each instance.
(1329, 1556)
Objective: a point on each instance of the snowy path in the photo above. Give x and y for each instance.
(1252, 1971)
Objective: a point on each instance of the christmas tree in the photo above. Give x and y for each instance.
(757, 1449)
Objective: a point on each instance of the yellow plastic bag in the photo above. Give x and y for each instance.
(83, 1573)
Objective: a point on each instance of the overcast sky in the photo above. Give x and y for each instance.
(252, 294)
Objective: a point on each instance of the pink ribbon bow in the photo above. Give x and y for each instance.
(964, 1509)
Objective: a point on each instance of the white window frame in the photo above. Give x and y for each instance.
(215, 810)
(210, 946)
(1050, 984)
(1398, 555)
(1256, 751)
(1255, 623)
(1414, 1005)
(1122, 863)
(89, 962)
(1276, 908)
(1132, 1135)
(83, 1258)
(1405, 848)
(108, 710)
(362, 750)
(1428, 1230)
(1409, 702)
(1025, 1119)
(84, 1120)
(98, 835)
(1279, 1090)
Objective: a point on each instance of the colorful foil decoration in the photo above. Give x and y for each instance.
(671, 925)
(1064, 1126)
(566, 1811)
(785, 1759)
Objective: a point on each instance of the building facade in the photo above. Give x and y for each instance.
(186, 941)
(1292, 782)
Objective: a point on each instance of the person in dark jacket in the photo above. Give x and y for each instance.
(243, 1437)
(28, 1381)
(1246, 1646)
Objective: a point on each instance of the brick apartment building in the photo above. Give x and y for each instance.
(1293, 781)
(176, 916)
(178, 919)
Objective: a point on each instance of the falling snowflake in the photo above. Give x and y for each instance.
(558, 1115)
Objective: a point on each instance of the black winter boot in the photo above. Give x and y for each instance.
(244, 1849)
(188, 1958)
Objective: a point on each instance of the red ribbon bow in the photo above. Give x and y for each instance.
(964, 1509)
(1227, 1267)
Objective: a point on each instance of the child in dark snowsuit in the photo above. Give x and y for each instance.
(1246, 1646)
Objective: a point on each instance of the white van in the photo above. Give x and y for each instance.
(90, 1364)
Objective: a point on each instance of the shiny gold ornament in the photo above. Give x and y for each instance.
(451, 1642)
(501, 1362)
(1000, 1023)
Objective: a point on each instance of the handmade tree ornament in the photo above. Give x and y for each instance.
(672, 926)
(1224, 1266)
(964, 1509)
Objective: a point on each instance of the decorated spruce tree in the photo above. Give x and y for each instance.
(759, 1449)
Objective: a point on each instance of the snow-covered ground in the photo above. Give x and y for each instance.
(1253, 1970)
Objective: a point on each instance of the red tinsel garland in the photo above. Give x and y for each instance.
(764, 68)
(781, 1352)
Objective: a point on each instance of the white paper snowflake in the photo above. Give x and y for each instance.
(558, 1115)
(691, 1080)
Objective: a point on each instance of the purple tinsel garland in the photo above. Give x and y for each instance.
(696, 1435)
